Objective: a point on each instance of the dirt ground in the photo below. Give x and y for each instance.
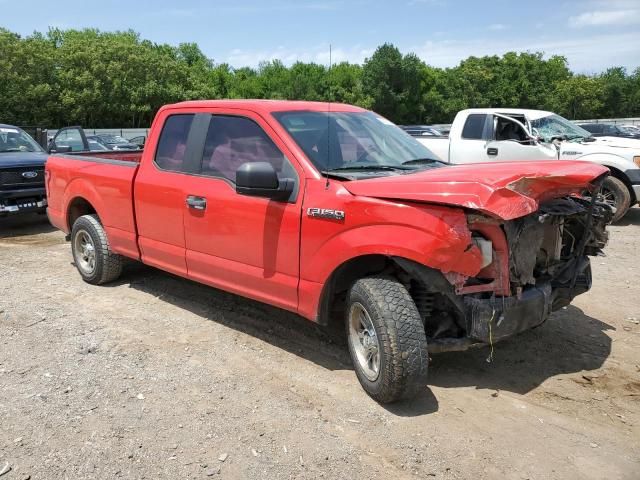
(158, 377)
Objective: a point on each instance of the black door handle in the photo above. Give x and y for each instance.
(492, 151)
(197, 203)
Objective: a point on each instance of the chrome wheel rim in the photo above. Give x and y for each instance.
(605, 196)
(364, 341)
(608, 197)
(85, 252)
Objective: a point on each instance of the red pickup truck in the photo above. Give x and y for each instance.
(333, 212)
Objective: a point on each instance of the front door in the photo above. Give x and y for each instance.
(247, 245)
(510, 142)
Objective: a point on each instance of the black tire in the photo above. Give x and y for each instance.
(616, 193)
(403, 359)
(107, 266)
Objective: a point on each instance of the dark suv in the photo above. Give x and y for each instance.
(21, 172)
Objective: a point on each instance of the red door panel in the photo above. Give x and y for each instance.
(160, 204)
(243, 244)
(247, 245)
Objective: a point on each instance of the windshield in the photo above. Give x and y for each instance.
(557, 126)
(354, 140)
(12, 139)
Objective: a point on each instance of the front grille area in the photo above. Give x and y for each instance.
(22, 177)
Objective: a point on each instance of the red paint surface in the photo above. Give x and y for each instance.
(505, 190)
(273, 251)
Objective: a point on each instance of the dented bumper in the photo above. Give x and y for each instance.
(494, 319)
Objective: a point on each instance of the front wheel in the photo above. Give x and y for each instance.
(92, 254)
(616, 194)
(386, 339)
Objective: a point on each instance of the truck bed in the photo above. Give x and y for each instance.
(104, 180)
(439, 147)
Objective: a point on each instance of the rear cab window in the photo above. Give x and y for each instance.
(172, 144)
(475, 127)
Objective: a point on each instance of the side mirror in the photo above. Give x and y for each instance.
(259, 179)
(59, 148)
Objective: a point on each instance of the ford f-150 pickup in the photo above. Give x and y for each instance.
(334, 213)
(510, 134)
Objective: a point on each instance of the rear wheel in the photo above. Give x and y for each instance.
(92, 254)
(616, 194)
(386, 339)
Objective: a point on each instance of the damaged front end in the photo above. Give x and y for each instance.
(533, 265)
(548, 266)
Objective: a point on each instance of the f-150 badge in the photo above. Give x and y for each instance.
(325, 213)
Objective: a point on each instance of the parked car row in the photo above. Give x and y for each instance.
(422, 131)
(611, 130)
(74, 139)
(22, 160)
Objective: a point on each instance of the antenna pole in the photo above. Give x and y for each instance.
(326, 185)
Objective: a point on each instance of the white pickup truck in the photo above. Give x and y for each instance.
(506, 134)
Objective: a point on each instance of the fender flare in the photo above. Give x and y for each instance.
(453, 252)
(609, 160)
(81, 188)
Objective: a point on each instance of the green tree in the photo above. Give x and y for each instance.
(578, 97)
(117, 79)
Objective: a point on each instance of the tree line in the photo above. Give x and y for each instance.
(116, 79)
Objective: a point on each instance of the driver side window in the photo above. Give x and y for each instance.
(232, 141)
(509, 130)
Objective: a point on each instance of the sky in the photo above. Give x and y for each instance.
(593, 34)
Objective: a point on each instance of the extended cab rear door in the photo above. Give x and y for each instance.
(160, 190)
(245, 244)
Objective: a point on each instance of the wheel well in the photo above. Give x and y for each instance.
(435, 298)
(332, 301)
(78, 207)
(619, 174)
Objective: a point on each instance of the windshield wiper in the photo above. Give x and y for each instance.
(368, 167)
(336, 175)
(421, 161)
(10, 150)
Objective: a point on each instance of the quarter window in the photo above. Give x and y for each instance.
(474, 126)
(172, 145)
(232, 141)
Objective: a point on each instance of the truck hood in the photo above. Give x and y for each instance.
(617, 142)
(505, 190)
(22, 159)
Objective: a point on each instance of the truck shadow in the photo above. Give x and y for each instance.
(323, 346)
(631, 218)
(568, 342)
(23, 225)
